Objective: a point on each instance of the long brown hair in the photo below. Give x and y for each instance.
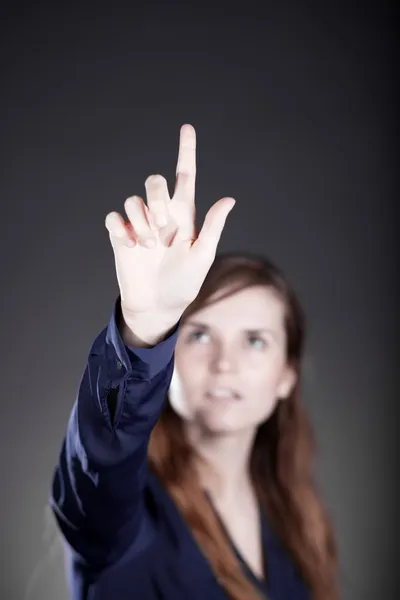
(281, 461)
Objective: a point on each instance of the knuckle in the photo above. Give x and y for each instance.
(148, 241)
(159, 215)
(184, 176)
(157, 205)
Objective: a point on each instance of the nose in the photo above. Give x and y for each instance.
(223, 359)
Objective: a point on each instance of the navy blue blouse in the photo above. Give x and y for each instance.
(125, 538)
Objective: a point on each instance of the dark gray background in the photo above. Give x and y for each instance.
(294, 111)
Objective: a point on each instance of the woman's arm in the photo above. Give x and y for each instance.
(97, 493)
(160, 266)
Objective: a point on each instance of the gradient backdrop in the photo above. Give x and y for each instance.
(294, 111)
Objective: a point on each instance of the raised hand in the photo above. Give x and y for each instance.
(161, 260)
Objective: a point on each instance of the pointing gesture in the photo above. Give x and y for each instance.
(161, 260)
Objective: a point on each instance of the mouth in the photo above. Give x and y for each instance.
(219, 394)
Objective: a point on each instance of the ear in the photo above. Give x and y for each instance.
(287, 383)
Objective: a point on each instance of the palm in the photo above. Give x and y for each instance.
(146, 276)
(168, 276)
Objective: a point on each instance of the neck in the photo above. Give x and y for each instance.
(226, 474)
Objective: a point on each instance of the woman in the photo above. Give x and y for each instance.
(185, 471)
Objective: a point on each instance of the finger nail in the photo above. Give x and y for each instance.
(150, 243)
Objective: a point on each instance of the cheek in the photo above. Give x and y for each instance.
(184, 389)
(262, 388)
(191, 365)
(261, 393)
(267, 377)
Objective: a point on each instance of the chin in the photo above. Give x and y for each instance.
(222, 425)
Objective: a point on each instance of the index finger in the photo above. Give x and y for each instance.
(186, 165)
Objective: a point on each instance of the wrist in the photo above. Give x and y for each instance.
(144, 330)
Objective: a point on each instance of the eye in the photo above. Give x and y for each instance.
(196, 336)
(257, 342)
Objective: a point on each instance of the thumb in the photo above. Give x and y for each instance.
(214, 222)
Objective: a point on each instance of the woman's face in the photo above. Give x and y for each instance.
(230, 362)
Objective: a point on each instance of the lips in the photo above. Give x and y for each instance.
(222, 393)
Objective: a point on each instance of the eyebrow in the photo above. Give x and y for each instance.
(252, 331)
